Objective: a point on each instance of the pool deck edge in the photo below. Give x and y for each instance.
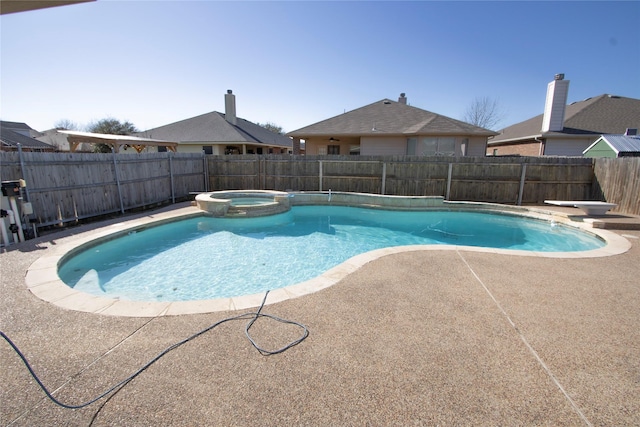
(42, 278)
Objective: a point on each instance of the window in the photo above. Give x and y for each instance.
(411, 146)
(333, 149)
(208, 149)
(464, 146)
(431, 146)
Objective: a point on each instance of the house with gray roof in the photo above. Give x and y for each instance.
(219, 134)
(567, 130)
(627, 145)
(389, 127)
(18, 134)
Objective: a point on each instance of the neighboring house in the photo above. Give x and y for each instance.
(14, 134)
(627, 145)
(59, 140)
(393, 128)
(567, 130)
(217, 133)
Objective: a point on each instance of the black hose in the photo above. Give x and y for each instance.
(253, 316)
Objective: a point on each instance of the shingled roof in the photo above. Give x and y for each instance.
(387, 117)
(213, 127)
(604, 114)
(13, 133)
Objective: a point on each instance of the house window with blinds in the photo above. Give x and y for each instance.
(431, 146)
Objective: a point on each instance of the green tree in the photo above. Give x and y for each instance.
(110, 126)
(272, 127)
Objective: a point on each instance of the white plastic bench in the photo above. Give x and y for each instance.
(593, 208)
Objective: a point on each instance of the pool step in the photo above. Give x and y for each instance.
(256, 210)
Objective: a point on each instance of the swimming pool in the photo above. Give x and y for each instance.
(207, 258)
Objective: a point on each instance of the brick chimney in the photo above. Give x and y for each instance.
(555, 105)
(402, 99)
(230, 107)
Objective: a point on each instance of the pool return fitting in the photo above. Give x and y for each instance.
(252, 316)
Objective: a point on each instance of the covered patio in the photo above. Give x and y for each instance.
(116, 142)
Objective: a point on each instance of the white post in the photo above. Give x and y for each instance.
(522, 179)
(449, 181)
(384, 178)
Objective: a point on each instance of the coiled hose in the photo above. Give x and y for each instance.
(252, 316)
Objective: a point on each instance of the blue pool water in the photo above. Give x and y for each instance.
(205, 257)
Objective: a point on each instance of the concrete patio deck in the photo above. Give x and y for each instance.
(413, 338)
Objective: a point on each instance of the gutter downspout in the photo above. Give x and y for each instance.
(541, 150)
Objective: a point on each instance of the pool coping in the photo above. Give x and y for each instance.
(42, 278)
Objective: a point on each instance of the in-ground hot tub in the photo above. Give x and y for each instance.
(249, 203)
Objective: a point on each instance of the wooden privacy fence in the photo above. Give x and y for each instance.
(65, 187)
(512, 180)
(618, 181)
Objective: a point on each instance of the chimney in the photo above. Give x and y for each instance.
(555, 105)
(230, 107)
(402, 99)
(631, 132)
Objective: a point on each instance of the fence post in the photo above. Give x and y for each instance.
(522, 179)
(384, 177)
(115, 172)
(449, 174)
(173, 192)
(320, 174)
(23, 172)
(205, 170)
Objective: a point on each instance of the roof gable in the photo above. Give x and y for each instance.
(620, 143)
(387, 117)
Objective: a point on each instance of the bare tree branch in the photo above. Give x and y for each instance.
(484, 112)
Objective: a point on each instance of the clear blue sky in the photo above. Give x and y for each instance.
(296, 63)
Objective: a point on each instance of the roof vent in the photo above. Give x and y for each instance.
(386, 101)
